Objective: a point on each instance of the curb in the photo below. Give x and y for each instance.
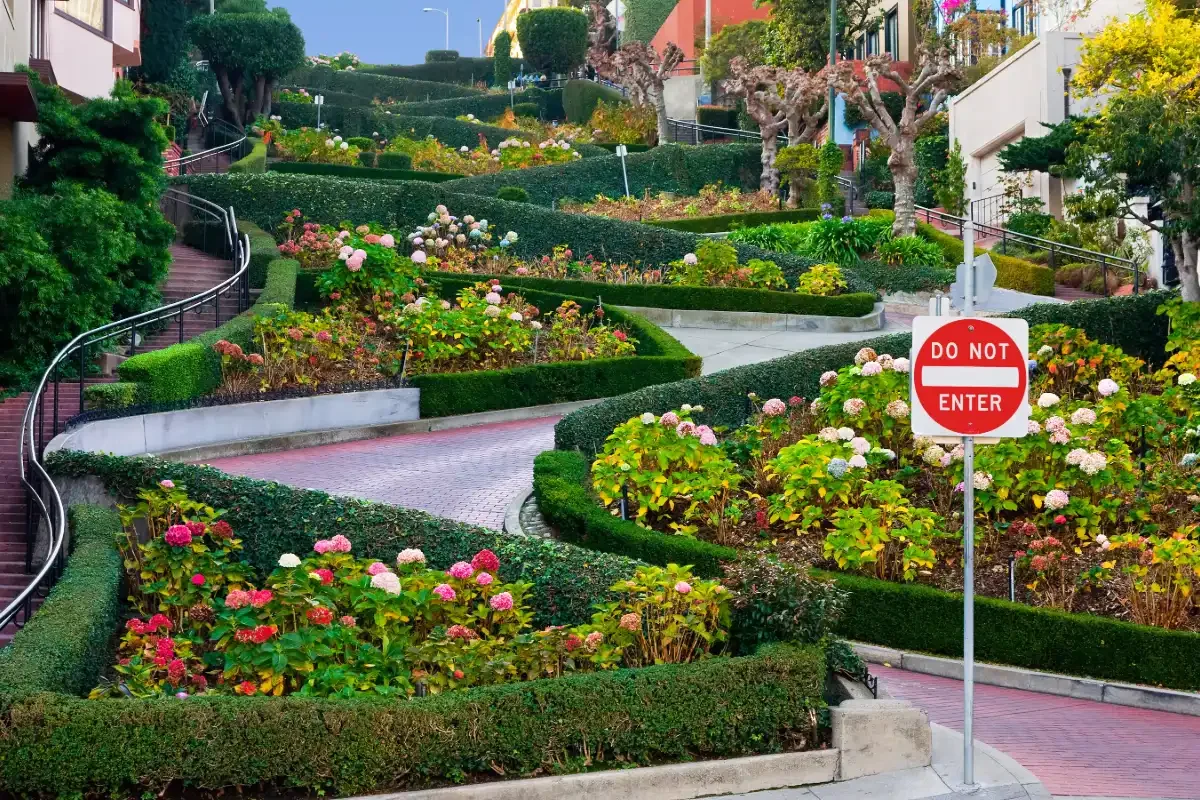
(512, 514)
(874, 320)
(272, 444)
(1026, 780)
(1119, 694)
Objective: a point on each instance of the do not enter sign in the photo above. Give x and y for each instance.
(970, 377)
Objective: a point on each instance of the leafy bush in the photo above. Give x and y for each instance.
(513, 194)
(643, 18)
(880, 199)
(580, 98)
(254, 161)
(502, 59)
(440, 56)
(109, 395)
(753, 222)
(553, 39)
(527, 110)
(918, 278)
(393, 161)
(829, 167)
(1030, 223)
(1011, 273)
(549, 105)
(622, 123)
(370, 85)
(909, 251)
(365, 173)
(822, 280)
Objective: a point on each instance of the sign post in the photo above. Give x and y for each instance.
(621, 152)
(970, 378)
(319, 101)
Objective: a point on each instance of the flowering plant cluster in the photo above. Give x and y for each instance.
(313, 146)
(295, 96)
(333, 624)
(516, 153)
(715, 263)
(359, 261)
(342, 61)
(822, 280)
(1098, 505)
(712, 200)
(623, 123)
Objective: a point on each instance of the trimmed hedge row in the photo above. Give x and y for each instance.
(266, 198)
(580, 98)
(371, 85)
(486, 106)
(728, 222)
(65, 646)
(254, 161)
(262, 252)
(703, 298)
(667, 168)
(907, 616)
(466, 71)
(192, 369)
(1130, 323)
(361, 173)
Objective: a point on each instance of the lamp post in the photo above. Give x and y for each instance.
(445, 12)
(832, 61)
(479, 22)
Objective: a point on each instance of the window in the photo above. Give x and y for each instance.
(93, 13)
(891, 33)
(873, 42)
(859, 48)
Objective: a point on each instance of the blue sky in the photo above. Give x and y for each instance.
(391, 31)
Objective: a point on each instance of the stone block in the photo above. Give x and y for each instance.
(875, 736)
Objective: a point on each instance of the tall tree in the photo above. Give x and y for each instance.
(931, 76)
(761, 88)
(553, 39)
(746, 39)
(799, 29)
(643, 71)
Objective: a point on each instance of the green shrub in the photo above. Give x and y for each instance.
(65, 646)
(887, 278)
(513, 194)
(191, 369)
(109, 395)
(1130, 322)
(502, 59)
(526, 109)
(549, 105)
(880, 200)
(1030, 223)
(263, 250)
(464, 71)
(639, 147)
(717, 116)
(700, 298)
(675, 168)
(254, 161)
(440, 56)
(361, 142)
(367, 158)
(370, 84)
(728, 222)
(643, 18)
(363, 173)
(580, 98)
(553, 39)
(394, 161)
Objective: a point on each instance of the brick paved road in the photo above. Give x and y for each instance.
(467, 474)
(1075, 747)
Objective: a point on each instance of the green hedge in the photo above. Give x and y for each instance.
(701, 298)
(370, 85)
(632, 148)
(263, 251)
(361, 173)
(394, 161)
(683, 169)
(907, 616)
(1129, 322)
(580, 98)
(466, 71)
(254, 161)
(643, 18)
(191, 369)
(549, 104)
(109, 395)
(717, 116)
(888, 278)
(67, 644)
(728, 222)
(721, 707)
(266, 198)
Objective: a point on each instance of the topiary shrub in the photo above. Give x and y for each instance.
(580, 98)
(109, 395)
(513, 193)
(526, 109)
(553, 39)
(440, 56)
(880, 200)
(501, 59)
(361, 142)
(394, 161)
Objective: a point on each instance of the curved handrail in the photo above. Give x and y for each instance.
(49, 508)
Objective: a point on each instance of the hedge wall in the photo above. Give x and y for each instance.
(549, 103)
(676, 168)
(266, 198)
(254, 161)
(702, 298)
(467, 71)
(361, 173)
(191, 369)
(908, 616)
(643, 18)
(263, 251)
(727, 222)
(580, 98)
(66, 645)
(1130, 323)
(371, 85)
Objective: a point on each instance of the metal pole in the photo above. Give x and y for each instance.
(447, 12)
(479, 23)
(833, 31)
(969, 531)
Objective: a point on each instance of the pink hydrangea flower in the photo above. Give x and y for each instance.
(377, 568)
(410, 556)
(686, 428)
(387, 240)
(683, 587)
(198, 579)
(707, 437)
(237, 599)
(485, 560)
(260, 597)
(630, 621)
(483, 579)
(593, 640)
(670, 419)
(460, 570)
(388, 581)
(871, 369)
(854, 406)
(354, 263)
(323, 546)
(1056, 499)
(445, 591)
(493, 299)
(167, 484)
(501, 602)
(774, 407)
(418, 257)
(348, 621)
(178, 536)
(829, 378)
(340, 544)
(1083, 416)
(1107, 387)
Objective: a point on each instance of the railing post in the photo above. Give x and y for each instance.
(1053, 250)
(217, 308)
(181, 326)
(1137, 283)
(54, 422)
(1104, 273)
(82, 370)
(132, 339)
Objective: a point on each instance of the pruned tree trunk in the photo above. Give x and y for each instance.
(660, 108)
(769, 182)
(902, 163)
(260, 89)
(230, 94)
(1186, 257)
(268, 102)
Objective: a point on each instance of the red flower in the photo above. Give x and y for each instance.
(349, 621)
(198, 579)
(325, 575)
(572, 643)
(260, 597)
(165, 646)
(159, 621)
(1060, 520)
(197, 528)
(319, 615)
(458, 674)
(220, 530)
(245, 636)
(485, 561)
(620, 336)
(760, 519)
(135, 626)
(246, 687)
(263, 632)
(200, 682)
(312, 361)
(161, 661)
(176, 671)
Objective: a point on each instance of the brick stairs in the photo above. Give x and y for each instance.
(192, 271)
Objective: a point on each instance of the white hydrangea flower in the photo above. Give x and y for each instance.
(647, 418)
(289, 561)
(1048, 400)
(845, 434)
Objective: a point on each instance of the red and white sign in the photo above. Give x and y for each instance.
(970, 377)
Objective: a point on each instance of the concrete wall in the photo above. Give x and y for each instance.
(14, 49)
(681, 93)
(196, 427)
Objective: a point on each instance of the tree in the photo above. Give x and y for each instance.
(745, 39)
(1146, 141)
(932, 75)
(761, 90)
(799, 162)
(256, 48)
(553, 39)
(950, 183)
(501, 59)
(164, 39)
(1044, 153)
(643, 72)
(799, 30)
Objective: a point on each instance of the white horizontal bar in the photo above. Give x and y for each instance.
(971, 377)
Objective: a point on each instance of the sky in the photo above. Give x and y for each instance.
(391, 31)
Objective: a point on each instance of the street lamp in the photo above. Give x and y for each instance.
(479, 22)
(447, 13)
(833, 31)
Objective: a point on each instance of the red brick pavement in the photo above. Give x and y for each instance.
(1075, 747)
(467, 474)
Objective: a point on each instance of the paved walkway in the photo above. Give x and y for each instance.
(1075, 747)
(466, 474)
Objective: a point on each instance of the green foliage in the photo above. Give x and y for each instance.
(262, 252)
(580, 98)
(881, 200)
(950, 184)
(394, 161)
(829, 167)
(513, 194)
(722, 223)
(109, 395)
(371, 85)
(65, 646)
(909, 251)
(502, 59)
(675, 168)
(164, 41)
(363, 173)
(1031, 223)
(1046, 153)
(528, 110)
(931, 155)
(440, 56)
(776, 601)
(254, 161)
(893, 102)
(911, 278)
(745, 39)
(553, 39)
(549, 105)
(464, 71)
(643, 18)
(717, 116)
(1011, 273)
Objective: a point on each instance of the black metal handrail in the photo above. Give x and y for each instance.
(45, 501)
(236, 145)
(990, 210)
(687, 132)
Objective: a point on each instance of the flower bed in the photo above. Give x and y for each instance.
(711, 200)
(732, 706)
